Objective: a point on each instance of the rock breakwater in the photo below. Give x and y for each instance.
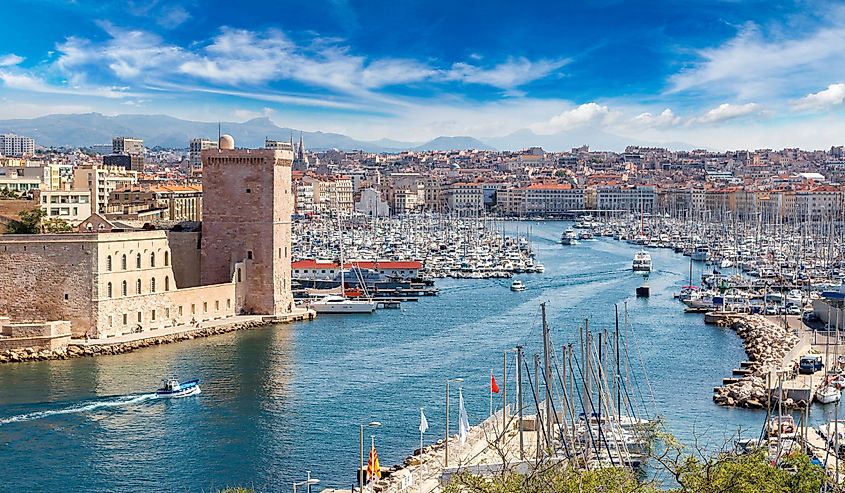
(766, 344)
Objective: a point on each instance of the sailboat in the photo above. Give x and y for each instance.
(339, 303)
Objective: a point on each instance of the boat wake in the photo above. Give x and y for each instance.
(84, 407)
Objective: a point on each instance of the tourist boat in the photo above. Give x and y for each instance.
(517, 285)
(171, 388)
(569, 237)
(642, 262)
(828, 394)
(338, 304)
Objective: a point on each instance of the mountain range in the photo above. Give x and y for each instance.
(87, 129)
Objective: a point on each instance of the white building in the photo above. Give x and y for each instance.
(632, 199)
(127, 145)
(195, 148)
(16, 145)
(70, 205)
(371, 204)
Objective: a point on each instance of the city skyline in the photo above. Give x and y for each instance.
(719, 75)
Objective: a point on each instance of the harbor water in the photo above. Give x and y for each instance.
(280, 400)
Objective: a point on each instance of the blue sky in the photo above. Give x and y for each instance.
(722, 74)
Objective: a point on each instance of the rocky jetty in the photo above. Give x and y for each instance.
(76, 351)
(766, 344)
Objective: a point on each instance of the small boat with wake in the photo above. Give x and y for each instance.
(171, 388)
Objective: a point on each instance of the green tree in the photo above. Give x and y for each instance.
(28, 224)
(56, 226)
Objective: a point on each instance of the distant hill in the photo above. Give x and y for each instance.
(82, 130)
(454, 143)
(165, 131)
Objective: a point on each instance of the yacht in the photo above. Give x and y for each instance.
(339, 304)
(828, 394)
(517, 286)
(569, 237)
(700, 253)
(642, 262)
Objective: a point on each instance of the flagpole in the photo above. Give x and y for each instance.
(491, 392)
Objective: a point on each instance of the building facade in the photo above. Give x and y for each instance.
(12, 145)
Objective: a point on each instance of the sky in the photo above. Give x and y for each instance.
(722, 74)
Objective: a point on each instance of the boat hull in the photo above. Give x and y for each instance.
(186, 389)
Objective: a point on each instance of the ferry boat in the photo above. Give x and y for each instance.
(172, 388)
(339, 304)
(569, 237)
(517, 286)
(642, 262)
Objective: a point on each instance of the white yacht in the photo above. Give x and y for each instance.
(338, 304)
(517, 285)
(642, 262)
(569, 237)
(701, 252)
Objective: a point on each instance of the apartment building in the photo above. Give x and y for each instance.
(101, 181)
(12, 145)
(68, 205)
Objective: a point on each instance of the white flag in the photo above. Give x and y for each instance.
(423, 422)
(463, 421)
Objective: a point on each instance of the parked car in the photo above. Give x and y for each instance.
(810, 364)
(794, 310)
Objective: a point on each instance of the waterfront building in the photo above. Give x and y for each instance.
(176, 202)
(626, 198)
(251, 241)
(68, 205)
(552, 198)
(12, 145)
(464, 198)
(371, 204)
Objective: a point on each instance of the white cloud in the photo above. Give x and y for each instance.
(666, 118)
(10, 60)
(172, 16)
(832, 96)
(513, 73)
(753, 65)
(588, 114)
(34, 84)
(726, 111)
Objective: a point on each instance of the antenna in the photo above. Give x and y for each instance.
(218, 132)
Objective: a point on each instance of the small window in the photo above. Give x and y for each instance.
(166, 258)
(138, 286)
(108, 290)
(153, 285)
(125, 319)
(153, 315)
(139, 317)
(239, 275)
(152, 259)
(123, 262)
(124, 289)
(138, 261)
(180, 310)
(217, 305)
(65, 296)
(108, 263)
(248, 190)
(193, 309)
(167, 283)
(249, 254)
(205, 307)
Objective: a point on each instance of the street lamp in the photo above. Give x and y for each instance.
(308, 482)
(371, 424)
(456, 380)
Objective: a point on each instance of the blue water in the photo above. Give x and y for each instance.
(278, 401)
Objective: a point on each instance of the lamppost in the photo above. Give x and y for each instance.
(456, 380)
(308, 482)
(371, 424)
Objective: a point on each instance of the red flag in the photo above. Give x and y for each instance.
(493, 386)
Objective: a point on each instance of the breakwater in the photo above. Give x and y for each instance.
(766, 344)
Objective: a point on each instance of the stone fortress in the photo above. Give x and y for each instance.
(108, 284)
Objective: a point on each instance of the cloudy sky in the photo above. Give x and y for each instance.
(721, 74)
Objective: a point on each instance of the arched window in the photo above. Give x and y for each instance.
(166, 259)
(108, 263)
(153, 259)
(153, 285)
(123, 262)
(167, 283)
(138, 286)
(124, 289)
(138, 261)
(108, 288)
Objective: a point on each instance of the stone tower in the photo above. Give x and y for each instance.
(247, 204)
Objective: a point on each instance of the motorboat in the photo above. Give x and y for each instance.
(828, 394)
(171, 388)
(339, 304)
(517, 286)
(701, 252)
(642, 262)
(782, 426)
(569, 237)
